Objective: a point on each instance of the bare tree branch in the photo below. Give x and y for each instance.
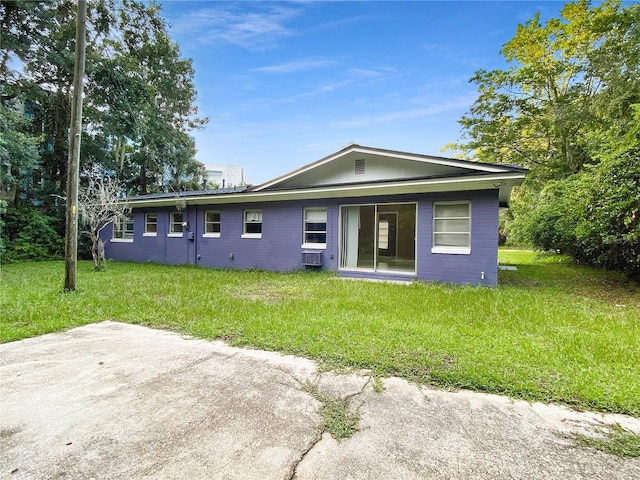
(101, 202)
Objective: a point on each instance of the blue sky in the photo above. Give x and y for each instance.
(287, 83)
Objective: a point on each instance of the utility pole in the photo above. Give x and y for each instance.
(73, 167)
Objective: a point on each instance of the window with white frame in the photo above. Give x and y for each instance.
(176, 224)
(150, 224)
(212, 224)
(315, 227)
(451, 227)
(252, 224)
(123, 229)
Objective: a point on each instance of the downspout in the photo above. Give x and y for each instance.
(195, 235)
(195, 239)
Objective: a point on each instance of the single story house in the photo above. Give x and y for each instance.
(361, 212)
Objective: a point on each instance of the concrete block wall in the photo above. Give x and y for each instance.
(280, 247)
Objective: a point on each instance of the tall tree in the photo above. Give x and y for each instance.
(144, 96)
(39, 40)
(564, 108)
(140, 92)
(18, 149)
(139, 101)
(536, 112)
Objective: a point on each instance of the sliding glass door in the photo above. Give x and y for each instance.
(378, 237)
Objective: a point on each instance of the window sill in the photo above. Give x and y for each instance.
(210, 235)
(150, 234)
(452, 250)
(251, 235)
(174, 235)
(122, 240)
(315, 246)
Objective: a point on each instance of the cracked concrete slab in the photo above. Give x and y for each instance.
(416, 432)
(121, 401)
(111, 400)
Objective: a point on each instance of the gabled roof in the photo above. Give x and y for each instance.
(399, 165)
(358, 171)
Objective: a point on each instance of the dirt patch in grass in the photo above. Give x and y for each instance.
(263, 292)
(620, 294)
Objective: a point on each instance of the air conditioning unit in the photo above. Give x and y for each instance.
(312, 259)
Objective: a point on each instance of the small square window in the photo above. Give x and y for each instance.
(176, 223)
(252, 223)
(212, 223)
(315, 226)
(452, 227)
(151, 224)
(123, 228)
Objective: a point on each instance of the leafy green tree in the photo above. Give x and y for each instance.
(594, 216)
(43, 76)
(29, 235)
(565, 109)
(139, 93)
(18, 151)
(608, 229)
(536, 112)
(148, 92)
(615, 62)
(3, 211)
(139, 100)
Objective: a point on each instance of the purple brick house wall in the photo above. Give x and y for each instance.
(280, 247)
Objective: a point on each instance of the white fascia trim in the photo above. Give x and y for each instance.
(364, 190)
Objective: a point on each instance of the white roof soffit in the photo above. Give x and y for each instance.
(502, 181)
(451, 162)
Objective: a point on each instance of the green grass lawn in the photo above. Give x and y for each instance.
(550, 331)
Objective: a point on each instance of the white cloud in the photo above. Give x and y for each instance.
(257, 29)
(301, 65)
(370, 73)
(397, 116)
(352, 78)
(341, 23)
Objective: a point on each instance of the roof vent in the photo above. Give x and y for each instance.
(359, 166)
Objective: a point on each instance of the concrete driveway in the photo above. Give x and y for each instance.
(114, 401)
